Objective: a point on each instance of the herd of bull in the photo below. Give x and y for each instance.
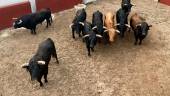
(102, 28)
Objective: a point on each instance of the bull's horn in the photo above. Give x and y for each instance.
(104, 27)
(25, 65)
(71, 25)
(41, 62)
(20, 21)
(81, 23)
(94, 27)
(98, 35)
(86, 36)
(105, 30)
(127, 25)
(117, 24)
(138, 25)
(117, 31)
(14, 18)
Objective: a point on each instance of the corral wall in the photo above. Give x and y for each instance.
(21, 8)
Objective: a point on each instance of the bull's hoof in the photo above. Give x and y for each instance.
(46, 81)
(57, 62)
(41, 85)
(92, 50)
(135, 43)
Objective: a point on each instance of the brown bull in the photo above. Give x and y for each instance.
(140, 27)
(110, 26)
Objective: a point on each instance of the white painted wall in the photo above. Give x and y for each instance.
(88, 1)
(9, 2)
(33, 6)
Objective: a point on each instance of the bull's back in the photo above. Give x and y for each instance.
(46, 48)
(28, 20)
(135, 19)
(80, 16)
(97, 18)
(109, 20)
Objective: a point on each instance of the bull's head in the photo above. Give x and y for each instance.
(34, 68)
(76, 26)
(111, 33)
(143, 28)
(17, 23)
(92, 38)
(122, 28)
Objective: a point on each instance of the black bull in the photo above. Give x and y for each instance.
(126, 5)
(30, 21)
(38, 64)
(77, 23)
(90, 37)
(98, 26)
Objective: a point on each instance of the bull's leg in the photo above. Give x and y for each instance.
(47, 23)
(140, 42)
(88, 49)
(73, 34)
(80, 34)
(92, 49)
(51, 19)
(136, 38)
(45, 78)
(32, 31)
(39, 80)
(122, 35)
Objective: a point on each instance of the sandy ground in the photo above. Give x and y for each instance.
(120, 69)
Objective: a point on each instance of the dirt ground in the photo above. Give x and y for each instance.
(120, 69)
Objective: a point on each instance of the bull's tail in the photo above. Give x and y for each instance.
(54, 54)
(51, 19)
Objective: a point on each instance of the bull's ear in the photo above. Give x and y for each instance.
(70, 26)
(150, 25)
(41, 62)
(26, 65)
